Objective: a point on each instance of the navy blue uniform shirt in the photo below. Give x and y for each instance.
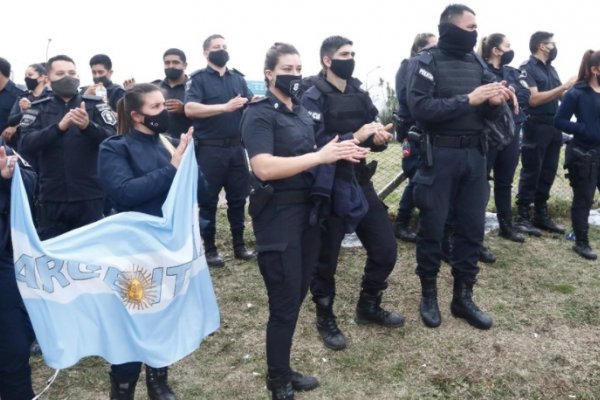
(67, 160)
(178, 123)
(544, 77)
(206, 86)
(516, 80)
(136, 172)
(269, 127)
(582, 101)
(8, 96)
(15, 112)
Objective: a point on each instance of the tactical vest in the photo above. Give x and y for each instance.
(343, 112)
(455, 77)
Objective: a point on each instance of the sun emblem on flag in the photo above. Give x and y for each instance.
(136, 288)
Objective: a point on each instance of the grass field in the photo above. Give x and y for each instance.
(544, 343)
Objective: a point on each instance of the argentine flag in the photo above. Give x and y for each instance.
(131, 287)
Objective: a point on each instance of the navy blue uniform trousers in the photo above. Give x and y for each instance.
(16, 335)
(457, 181)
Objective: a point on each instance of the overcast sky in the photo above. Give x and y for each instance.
(135, 34)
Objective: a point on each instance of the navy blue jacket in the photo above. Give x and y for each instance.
(136, 172)
(29, 179)
(580, 101)
(67, 160)
(516, 80)
(8, 96)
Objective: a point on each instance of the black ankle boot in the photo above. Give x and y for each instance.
(213, 259)
(542, 220)
(239, 248)
(429, 310)
(462, 305)
(303, 383)
(582, 246)
(280, 390)
(486, 256)
(369, 311)
(327, 327)
(523, 222)
(403, 232)
(122, 390)
(157, 385)
(507, 231)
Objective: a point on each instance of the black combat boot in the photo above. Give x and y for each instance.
(582, 246)
(157, 385)
(523, 222)
(213, 259)
(369, 311)
(122, 390)
(429, 310)
(542, 220)
(281, 390)
(486, 256)
(462, 305)
(507, 231)
(327, 327)
(239, 248)
(403, 232)
(300, 383)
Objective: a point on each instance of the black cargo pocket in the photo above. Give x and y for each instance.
(270, 262)
(422, 192)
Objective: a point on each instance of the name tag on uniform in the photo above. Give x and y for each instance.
(426, 74)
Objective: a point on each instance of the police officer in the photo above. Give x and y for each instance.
(16, 334)
(175, 63)
(582, 157)
(214, 100)
(495, 50)
(449, 94)
(541, 145)
(410, 152)
(137, 169)
(102, 71)
(9, 92)
(340, 107)
(64, 132)
(279, 137)
(36, 78)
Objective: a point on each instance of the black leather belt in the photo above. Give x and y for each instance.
(542, 119)
(291, 197)
(457, 141)
(228, 142)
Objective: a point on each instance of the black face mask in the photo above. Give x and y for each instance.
(598, 78)
(104, 79)
(456, 40)
(218, 57)
(173, 73)
(31, 83)
(552, 54)
(158, 123)
(288, 84)
(343, 68)
(507, 57)
(67, 86)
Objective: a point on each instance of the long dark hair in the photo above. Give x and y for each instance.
(488, 43)
(590, 59)
(133, 100)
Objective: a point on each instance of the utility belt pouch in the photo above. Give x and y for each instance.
(260, 196)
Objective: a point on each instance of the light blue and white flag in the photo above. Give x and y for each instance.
(131, 287)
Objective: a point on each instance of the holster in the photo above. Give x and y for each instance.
(260, 196)
(581, 164)
(423, 140)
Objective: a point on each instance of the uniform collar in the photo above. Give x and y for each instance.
(214, 71)
(75, 100)
(10, 85)
(278, 105)
(165, 83)
(143, 136)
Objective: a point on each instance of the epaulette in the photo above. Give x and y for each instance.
(260, 100)
(40, 101)
(92, 98)
(197, 71)
(236, 71)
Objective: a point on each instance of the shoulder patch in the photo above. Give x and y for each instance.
(523, 79)
(92, 98)
(426, 74)
(316, 116)
(107, 114)
(29, 117)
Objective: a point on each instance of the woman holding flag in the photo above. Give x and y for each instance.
(136, 169)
